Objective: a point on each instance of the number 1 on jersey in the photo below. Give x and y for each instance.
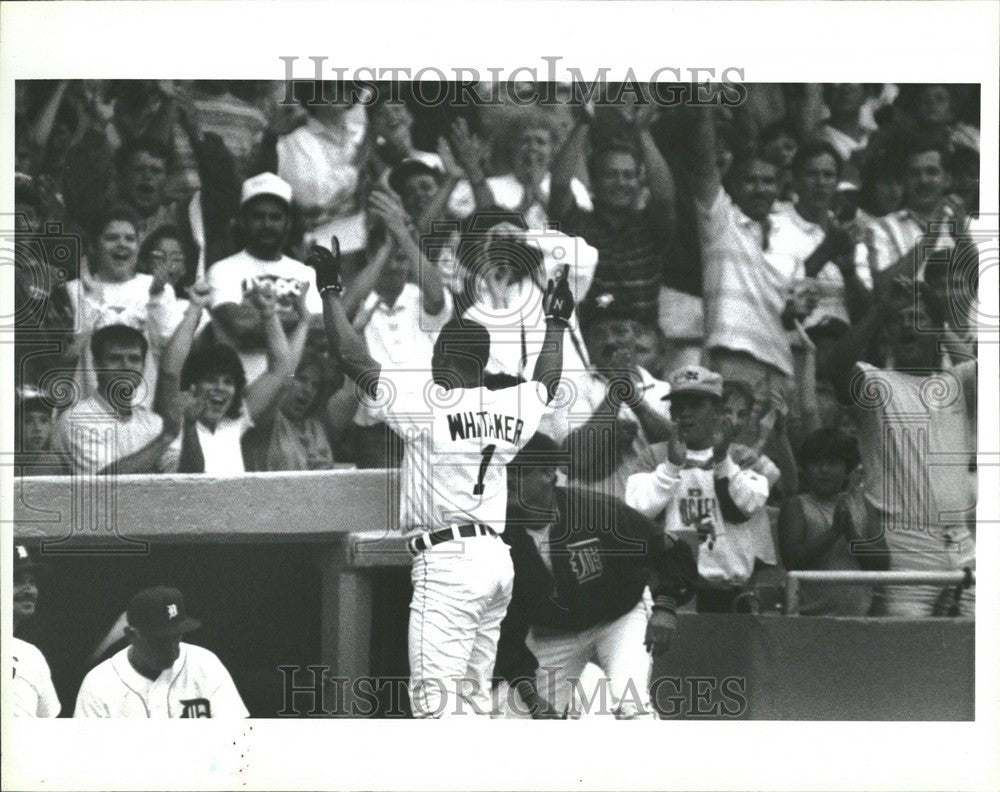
(487, 456)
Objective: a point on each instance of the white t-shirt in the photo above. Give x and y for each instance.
(197, 685)
(728, 549)
(457, 446)
(226, 277)
(402, 335)
(32, 692)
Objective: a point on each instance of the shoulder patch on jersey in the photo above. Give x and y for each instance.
(585, 559)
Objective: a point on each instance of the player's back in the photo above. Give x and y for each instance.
(457, 446)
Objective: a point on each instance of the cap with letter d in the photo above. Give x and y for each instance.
(265, 184)
(160, 611)
(695, 380)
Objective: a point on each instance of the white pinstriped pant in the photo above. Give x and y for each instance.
(461, 590)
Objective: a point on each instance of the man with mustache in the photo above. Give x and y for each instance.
(265, 220)
(33, 694)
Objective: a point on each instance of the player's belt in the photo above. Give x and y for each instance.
(420, 543)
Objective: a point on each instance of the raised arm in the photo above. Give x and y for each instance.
(566, 162)
(428, 278)
(467, 149)
(659, 177)
(558, 304)
(344, 342)
(282, 356)
(178, 348)
(704, 162)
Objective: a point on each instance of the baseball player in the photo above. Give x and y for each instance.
(34, 695)
(157, 675)
(582, 560)
(710, 486)
(458, 437)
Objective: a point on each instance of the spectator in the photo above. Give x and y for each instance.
(579, 588)
(893, 238)
(219, 406)
(110, 430)
(323, 161)
(111, 291)
(737, 408)
(265, 220)
(889, 365)
(829, 255)
(813, 534)
(391, 126)
(400, 304)
(306, 429)
(844, 130)
(704, 490)
(158, 675)
(931, 108)
(526, 188)
(33, 422)
(622, 398)
(881, 191)
(238, 124)
(164, 255)
(141, 166)
(778, 145)
(631, 239)
(32, 693)
(749, 266)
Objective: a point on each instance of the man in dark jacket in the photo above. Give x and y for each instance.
(582, 562)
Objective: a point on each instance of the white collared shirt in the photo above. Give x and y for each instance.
(895, 234)
(197, 685)
(804, 236)
(400, 336)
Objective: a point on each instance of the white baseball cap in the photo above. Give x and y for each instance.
(266, 184)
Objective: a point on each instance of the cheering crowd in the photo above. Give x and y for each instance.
(760, 291)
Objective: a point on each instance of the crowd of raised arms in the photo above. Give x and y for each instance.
(763, 263)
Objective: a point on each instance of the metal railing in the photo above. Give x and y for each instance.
(838, 577)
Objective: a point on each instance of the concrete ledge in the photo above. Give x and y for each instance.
(185, 508)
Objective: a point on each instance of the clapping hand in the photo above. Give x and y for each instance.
(326, 263)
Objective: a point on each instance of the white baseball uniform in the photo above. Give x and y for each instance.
(457, 446)
(197, 685)
(33, 694)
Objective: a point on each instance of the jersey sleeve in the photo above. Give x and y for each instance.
(650, 493)
(400, 398)
(88, 703)
(48, 699)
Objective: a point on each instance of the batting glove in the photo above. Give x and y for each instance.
(558, 301)
(327, 266)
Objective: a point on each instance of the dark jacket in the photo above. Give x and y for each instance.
(603, 555)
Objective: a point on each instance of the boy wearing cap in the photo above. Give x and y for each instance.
(157, 675)
(33, 694)
(265, 221)
(702, 488)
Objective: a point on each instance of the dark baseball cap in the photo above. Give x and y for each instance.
(160, 611)
(25, 561)
(410, 167)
